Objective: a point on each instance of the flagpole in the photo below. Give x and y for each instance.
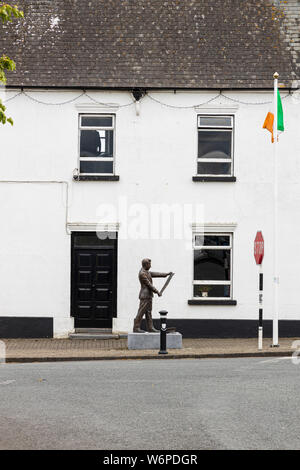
(276, 274)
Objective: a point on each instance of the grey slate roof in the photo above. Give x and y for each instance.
(154, 43)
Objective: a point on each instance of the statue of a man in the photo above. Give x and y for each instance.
(146, 295)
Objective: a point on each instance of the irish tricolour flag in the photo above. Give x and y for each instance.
(269, 121)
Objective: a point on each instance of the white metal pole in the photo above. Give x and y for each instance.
(260, 307)
(276, 275)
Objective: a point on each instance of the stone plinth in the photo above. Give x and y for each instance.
(152, 341)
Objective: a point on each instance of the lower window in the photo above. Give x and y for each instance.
(212, 266)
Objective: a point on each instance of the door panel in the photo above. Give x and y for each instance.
(84, 277)
(102, 294)
(84, 311)
(102, 312)
(85, 260)
(94, 284)
(103, 277)
(84, 294)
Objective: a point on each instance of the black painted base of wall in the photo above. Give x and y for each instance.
(38, 327)
(230, 328)
(26, 327)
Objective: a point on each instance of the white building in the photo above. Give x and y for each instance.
(161, 160)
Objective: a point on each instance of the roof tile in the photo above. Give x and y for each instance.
(154, 43)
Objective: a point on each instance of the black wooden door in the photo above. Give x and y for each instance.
(93, 281)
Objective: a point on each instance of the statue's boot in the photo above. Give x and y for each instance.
(136, 326)
(149, 322)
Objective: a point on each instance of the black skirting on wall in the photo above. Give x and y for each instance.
(39, 327)
(26, 327)
(229, 328)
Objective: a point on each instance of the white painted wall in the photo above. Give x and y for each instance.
(35, 253)
(156, 159)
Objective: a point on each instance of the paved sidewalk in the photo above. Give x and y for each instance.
(31, 350)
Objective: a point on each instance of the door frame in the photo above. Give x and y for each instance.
(101, 245)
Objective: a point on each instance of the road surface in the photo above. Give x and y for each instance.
(247, 403)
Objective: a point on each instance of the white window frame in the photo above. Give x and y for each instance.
(102, 128)
(220, 129)
(213, 247)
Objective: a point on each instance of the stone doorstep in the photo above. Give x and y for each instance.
(96, 333)
(94, 330)
(96, 336)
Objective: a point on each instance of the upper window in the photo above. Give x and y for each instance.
(215, 145)
(96, 144)
(212, 266)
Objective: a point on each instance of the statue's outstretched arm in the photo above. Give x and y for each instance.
(155, 274)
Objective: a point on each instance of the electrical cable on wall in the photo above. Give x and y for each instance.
(84, 93)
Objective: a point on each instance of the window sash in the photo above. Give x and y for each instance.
(96, 159)
(224, 175)
(214, 129)
(205, 247)
(212, 247)
(215, 283)
(99, 128)
(89, 128)
(214, 126)
(211, 282)
(228, 175)
(214, 160)
(226, 160)
(96, 174)
(81, 127)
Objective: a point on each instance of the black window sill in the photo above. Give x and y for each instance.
(212, 302)
(96, 178)
(203, 179)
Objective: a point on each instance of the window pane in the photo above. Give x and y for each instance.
(104, 238)
(97, 121)
(212, 265)
(214, 144)
(214, 121)
(212, 291)
(96, 167)
(207, 168)
(96, 143)
(212, 240)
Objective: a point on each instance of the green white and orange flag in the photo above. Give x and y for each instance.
(269, 121)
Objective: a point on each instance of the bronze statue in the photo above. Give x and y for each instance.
(146, 295)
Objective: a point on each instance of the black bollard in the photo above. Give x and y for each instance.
(163, 332)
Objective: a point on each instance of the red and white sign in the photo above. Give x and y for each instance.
(259, 248)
